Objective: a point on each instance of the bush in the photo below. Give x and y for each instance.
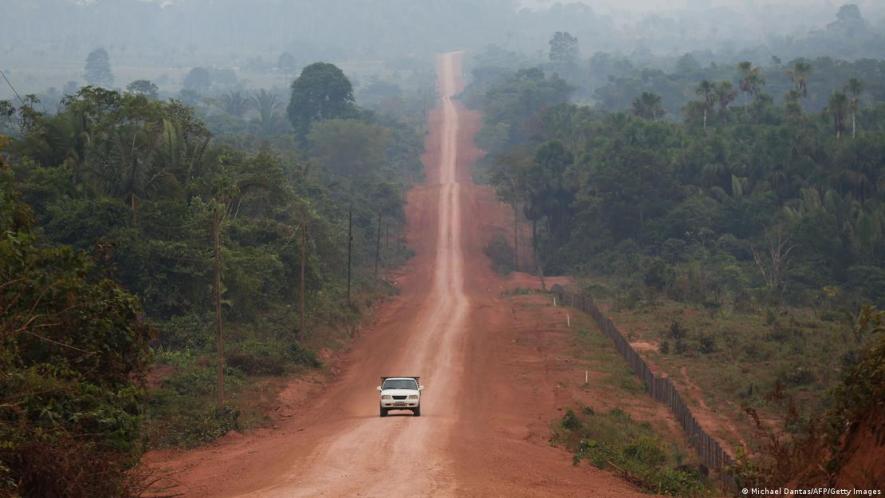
(69, 375)
(184, 332)
(614, 440)
(501, 254)
(659, 274)
(269, 358)
(796, 376)
(707, 344)
(570, 421)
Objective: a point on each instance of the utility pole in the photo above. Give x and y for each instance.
(301, 309)
(378, 245)
(349, 249)
(219, 328)
(515, 206)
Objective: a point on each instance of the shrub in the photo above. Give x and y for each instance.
(658, 275)
(615, 440)
(570, 421)
(707, 344)
(501, 254)
(70, 375)
(677, 331)
(796, 376)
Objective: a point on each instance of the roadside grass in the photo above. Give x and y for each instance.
(181, 410)
(601, 356)
(652, 454)
(778, 362)
(615, 441)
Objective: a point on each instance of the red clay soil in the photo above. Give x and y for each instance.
(863, 455)
(484, 424)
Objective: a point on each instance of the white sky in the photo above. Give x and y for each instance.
(646, 5)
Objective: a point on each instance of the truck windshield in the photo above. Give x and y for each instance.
(400, 384)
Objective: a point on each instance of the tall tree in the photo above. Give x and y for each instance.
(854, 88)
(563, 48)
(839, 106)
(648, 106)
(322, 91)
(143, 87)
(725, 94)
(98, 69)
(197, 80)
(751, 80)
(235, 104)
(799, 75)
(707, 91)
(267, 104)
(286, 63)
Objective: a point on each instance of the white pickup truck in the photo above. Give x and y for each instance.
(400, 393)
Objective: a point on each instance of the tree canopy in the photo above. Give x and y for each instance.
(98, 69)
(322, 91)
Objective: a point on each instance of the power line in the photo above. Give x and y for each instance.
(20, 101)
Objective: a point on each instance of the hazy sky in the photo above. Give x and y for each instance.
(645, 5)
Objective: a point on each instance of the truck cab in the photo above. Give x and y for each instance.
(400, 393)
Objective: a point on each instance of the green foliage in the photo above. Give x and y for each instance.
(142, 186)
(862, 390)
(564, 48)
(514, 102)
(362, 158)
(181, 412)
(73, 351)
(501, 254)
(269, 358)
(320, 92)
(760, 207)
(615, 441)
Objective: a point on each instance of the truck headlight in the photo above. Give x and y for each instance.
(413, 396)
(386, 397)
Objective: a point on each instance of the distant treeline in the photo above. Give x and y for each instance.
(741, 198)
(231, 32)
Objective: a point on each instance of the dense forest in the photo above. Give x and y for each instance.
(742, 204)
(218, 254)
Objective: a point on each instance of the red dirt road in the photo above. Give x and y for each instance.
(483, 427)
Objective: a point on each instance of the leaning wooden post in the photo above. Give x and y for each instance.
(349, 249)
(219, 327)
(301, 309)
(378, 245)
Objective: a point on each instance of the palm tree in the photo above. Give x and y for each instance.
(707, 90)
(839, 106)
(854, 89)
(751, 79)
(235, 104)
(792, 104)
(648, 106)
(726, 94)
(799, 74)
(267, 105)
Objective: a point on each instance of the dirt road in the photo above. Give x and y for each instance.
(483, 429)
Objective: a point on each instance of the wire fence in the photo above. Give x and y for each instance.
(711, 453)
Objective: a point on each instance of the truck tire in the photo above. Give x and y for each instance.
(383, 412)
(417, 411)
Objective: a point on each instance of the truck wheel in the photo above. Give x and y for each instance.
(417, 411)
(383, 411)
